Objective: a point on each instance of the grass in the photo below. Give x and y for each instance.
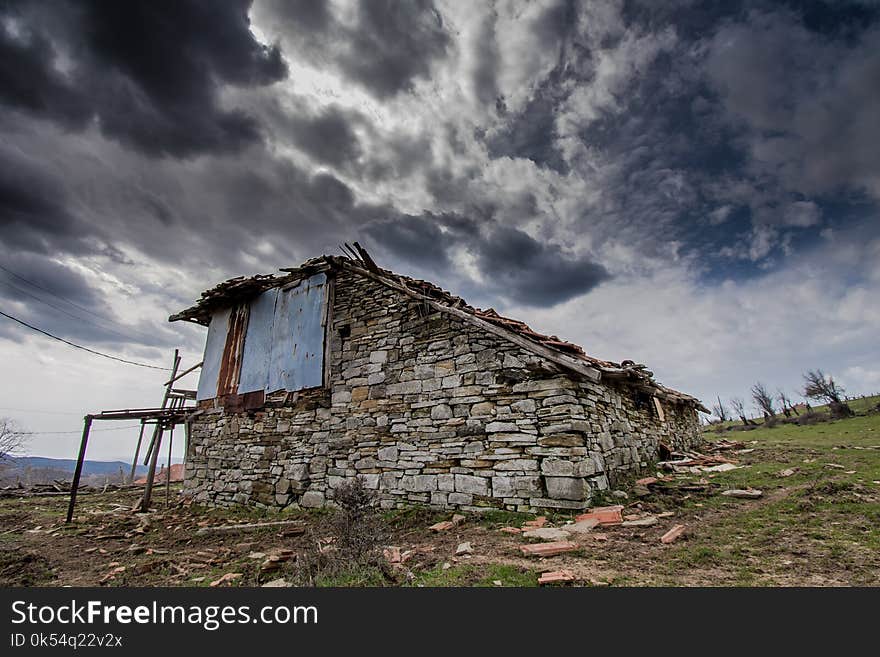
(478, 575)
(821, 523)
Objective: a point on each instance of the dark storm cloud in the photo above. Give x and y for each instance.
(809, 101)
(531, 133)
(535, 273)
(485, 75)
(58, 299)
(389, 45)
(327, 136)
(34, 214)
(514, 265)
(147, 72)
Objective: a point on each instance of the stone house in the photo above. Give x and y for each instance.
(339, 368)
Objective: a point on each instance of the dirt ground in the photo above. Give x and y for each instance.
(817, 525)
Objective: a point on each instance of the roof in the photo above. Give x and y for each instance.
(562, 352)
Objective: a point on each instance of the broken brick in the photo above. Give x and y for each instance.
(548, 549)
(605, 515)
(647, 481)
(537, 523)
(556, 577)
(442, 526)
(672, 534)
(511, 530)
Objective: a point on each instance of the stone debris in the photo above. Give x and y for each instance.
(582, 526)
(392, 554)
(548, 549)
(721, 467)
(277, 584)
(547, 534)
(786, 473)
(442, 526)
(672, 535)
(556, 577)
(746, 494)
(647, 521)
(464, 548)
(228, 577)
(275, 558)
(604, 515)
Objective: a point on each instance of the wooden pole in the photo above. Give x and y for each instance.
(156, 442)
(137, 451)
(148, 489)
(87, 426)
(168, 468)
(165, 398)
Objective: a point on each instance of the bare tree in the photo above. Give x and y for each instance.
(764, 400)
(740, 409)
(12, 439)
(720, 411)
(784, 400)
(821, 387)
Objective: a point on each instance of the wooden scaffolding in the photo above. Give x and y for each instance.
(173, 411)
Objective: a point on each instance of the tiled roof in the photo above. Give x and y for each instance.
(240, 289)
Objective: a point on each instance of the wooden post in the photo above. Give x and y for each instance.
(174, 367)
(168, 467)
(87, 426)
(137, 451)
(148, 489)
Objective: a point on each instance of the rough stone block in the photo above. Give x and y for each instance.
(441, 412)
(471, 485)
(566, 488)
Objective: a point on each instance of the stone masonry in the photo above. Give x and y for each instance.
(432, 410)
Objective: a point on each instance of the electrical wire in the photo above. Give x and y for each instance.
(58, 296)
(79, 346)
(75, 431)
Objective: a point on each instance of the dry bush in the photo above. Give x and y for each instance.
(358, 536)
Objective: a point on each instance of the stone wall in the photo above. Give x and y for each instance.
(429, 409)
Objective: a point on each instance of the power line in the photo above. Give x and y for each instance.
(39, 410)
(78, 346)
(75, 431)
(56, 295)
(68, 301)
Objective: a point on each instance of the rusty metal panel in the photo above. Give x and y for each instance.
(297, 356)
(258, 343)
(213, 353)
(230, 362)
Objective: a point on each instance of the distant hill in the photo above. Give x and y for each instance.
(69, 465)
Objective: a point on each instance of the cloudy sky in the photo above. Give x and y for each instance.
(690, 185)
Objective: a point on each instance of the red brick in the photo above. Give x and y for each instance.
(605, 515)
(537, 523)
(548, 549)
(647, 481)
(556, 577)
(672, 534)
(511, 530)
(442, 526)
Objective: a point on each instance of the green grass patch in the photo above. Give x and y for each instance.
(477, 575)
